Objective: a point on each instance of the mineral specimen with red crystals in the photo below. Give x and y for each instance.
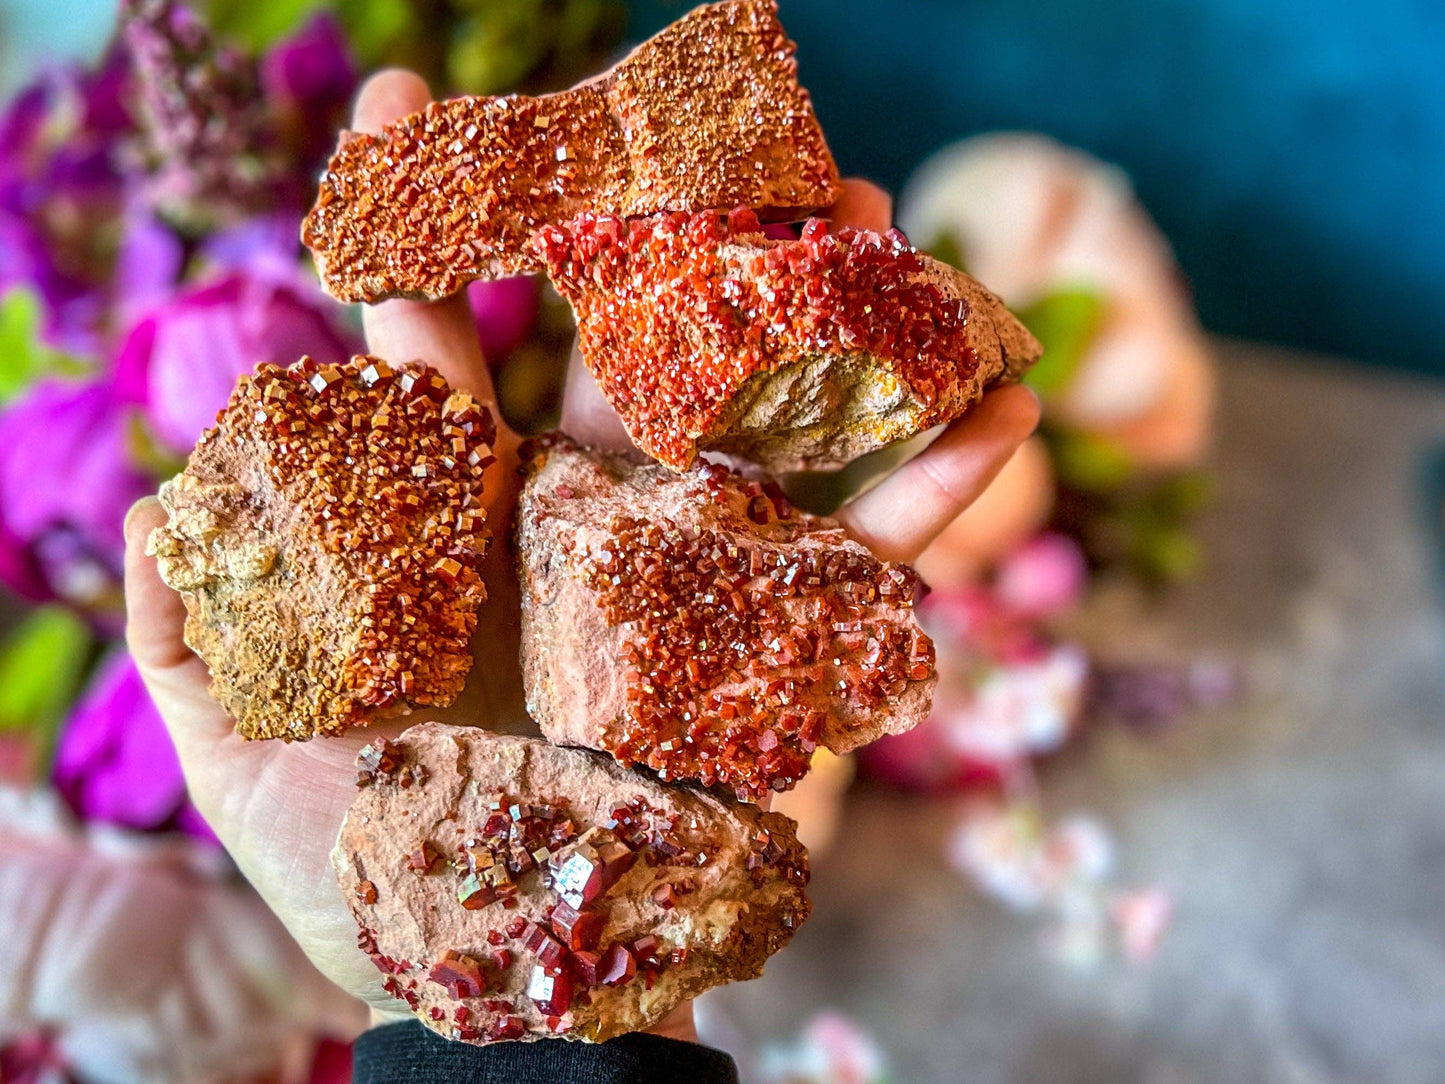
(796, 354)
(733, 876)
(699, 626)
(327, 537)
(707, 114)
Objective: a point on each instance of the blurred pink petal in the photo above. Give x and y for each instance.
(148, 959)
(1043, 577)
(505, 311)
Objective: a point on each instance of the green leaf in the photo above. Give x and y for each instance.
(148, 453)
(255, 25)
(372, 25)
(41, 665)
(1065, 323)
(23, 357)
(1089, 462)
(947, 248)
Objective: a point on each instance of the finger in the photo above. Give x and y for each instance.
(863, 205)
(441, 333)
(155, 616)
(587, 416)
(907, 510)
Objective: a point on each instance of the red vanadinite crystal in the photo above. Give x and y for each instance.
(676, 312)
(705, 608)
(460, 975)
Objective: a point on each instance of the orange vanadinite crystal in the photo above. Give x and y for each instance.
(706, 114)
(676, 312)
(382, 470)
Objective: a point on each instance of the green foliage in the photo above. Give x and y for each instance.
(255, 24)
(23, 357)
(1065, 322)
(947, 248)
(1088, 462)
(147, 453)
(372, 25)
(41, 666)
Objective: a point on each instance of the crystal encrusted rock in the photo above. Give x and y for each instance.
(567, 936)
(795, 354)
(706, 114)
(699, 626)
(327, 537)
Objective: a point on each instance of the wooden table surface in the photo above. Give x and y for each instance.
(1303, 830)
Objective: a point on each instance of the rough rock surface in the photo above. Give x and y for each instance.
(326, 536)
(510, 889)
(698, 625)
(796, 354)
(706, 114)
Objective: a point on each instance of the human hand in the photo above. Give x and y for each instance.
(278, 807)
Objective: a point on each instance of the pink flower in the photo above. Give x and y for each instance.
(505, 311)
(1043, 577)
(308, 80)
(115, 762)
(181, 362)
(65, 485)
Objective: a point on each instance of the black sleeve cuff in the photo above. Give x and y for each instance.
(409, 1053)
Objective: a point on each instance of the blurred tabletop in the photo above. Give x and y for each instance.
(1302, 830)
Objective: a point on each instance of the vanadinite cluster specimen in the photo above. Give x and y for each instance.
(327, 537)
(510, 889)
(796, 354)
(699, 626)
(706, 114)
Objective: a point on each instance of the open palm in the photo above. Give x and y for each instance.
(278, 807)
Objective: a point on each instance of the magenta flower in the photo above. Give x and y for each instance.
(1043, 577)
(180, 363)
(505, 312)
(62, 187)
(307, 80)
(65, 485)
(115, 762)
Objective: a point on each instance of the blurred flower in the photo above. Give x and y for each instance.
(115, 762)
(1141, 917)
(1005, 692)
(65, 486)
(180, 363)
(62, 186)
(1062, 872)
(1151, 696)
(1060, 236)
(34, 1059)
(307, 81)
(505, 311)
(831, 1050)
(146, 959)
(1043, 577)
(1015, 711)
(205, 130)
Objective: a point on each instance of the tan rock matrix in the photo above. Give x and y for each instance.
(510, 889)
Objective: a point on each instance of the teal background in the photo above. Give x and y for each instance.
(1293, 152)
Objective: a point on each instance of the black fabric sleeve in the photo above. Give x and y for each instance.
(411, 1054)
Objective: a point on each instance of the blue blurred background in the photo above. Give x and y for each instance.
(1294, 154)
